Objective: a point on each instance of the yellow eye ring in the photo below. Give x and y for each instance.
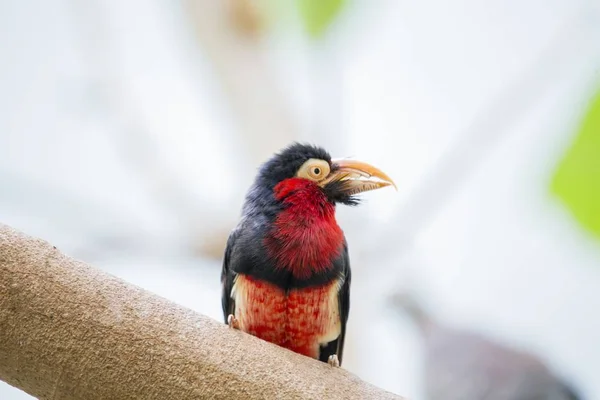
(315, 172)
(314, 169)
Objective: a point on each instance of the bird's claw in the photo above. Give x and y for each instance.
(333, 360)
(233, 322)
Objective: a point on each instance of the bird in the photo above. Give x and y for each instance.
(286, 270)
(462, 365)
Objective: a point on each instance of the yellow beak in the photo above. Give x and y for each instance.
(357, 176)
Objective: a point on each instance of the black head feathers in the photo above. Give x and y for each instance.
(286, 163)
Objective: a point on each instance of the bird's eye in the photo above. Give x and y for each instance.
(315, 172)
(314, 169)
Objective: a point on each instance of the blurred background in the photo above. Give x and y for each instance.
(130, 131)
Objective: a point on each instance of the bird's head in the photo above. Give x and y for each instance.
(289, 215)
(307, 168)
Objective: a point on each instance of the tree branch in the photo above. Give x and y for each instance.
(70, 331)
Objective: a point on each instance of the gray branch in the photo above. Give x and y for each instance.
(69, 331)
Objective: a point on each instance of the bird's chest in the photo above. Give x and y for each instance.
(304, 243)
(299, 320)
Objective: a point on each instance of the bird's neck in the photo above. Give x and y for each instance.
(305, 238)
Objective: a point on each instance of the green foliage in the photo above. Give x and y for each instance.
(577, 180)
(317, 15)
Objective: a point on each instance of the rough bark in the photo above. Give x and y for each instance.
(70, 331)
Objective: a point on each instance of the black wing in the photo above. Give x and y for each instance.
(337, 346)
(227, 277)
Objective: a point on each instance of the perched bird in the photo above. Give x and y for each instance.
(463, 365)
(286, 273)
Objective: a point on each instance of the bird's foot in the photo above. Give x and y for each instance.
(333, 361)
(233, 322)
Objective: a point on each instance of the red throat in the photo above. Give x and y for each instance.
(305, 238)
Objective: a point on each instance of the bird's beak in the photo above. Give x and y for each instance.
(357, 176)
